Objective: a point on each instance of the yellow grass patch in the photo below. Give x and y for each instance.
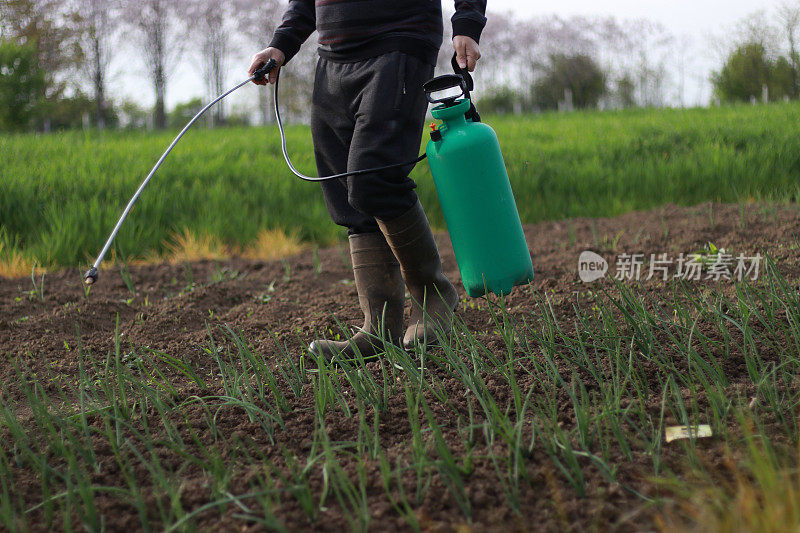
(757, 491)
(273, 244)
(185, 246)
(16, 264)
(768, 504)
(189, 246)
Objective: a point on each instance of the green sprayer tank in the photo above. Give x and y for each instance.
(477, 202)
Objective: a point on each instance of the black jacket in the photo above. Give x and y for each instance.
(352, 30)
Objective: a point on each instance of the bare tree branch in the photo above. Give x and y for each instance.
(99, 22)
(162, 38)
(789, 19)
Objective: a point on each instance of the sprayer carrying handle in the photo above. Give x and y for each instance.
(463, 72)
(461, 79)
(262, 71)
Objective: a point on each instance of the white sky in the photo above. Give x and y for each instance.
(696, 17)
(695, 20)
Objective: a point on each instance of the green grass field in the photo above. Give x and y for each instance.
(61, 194)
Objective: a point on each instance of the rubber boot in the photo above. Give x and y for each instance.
(433, 296)
(380, 295)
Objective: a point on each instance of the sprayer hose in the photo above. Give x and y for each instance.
(334, 176)
(91, 275)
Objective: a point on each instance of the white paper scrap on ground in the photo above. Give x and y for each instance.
(687, 432)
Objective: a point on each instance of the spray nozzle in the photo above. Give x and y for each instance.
(91, 276)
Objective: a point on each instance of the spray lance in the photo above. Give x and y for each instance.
(470, 178)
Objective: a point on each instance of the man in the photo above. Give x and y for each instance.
(368, 110)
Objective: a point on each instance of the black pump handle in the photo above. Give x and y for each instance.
(444, 82)
(461, 79)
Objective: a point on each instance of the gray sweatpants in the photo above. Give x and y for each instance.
(367, 114)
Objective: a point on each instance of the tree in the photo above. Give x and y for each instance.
(49, 28)
(789, 18)
(132, 116)
(647, 47)
(257, 23)
(682, 56)
(636, 50)
(162, 41)
(501, 100)
(22, 82)
(183, 112)
(214, 24)
(758, 29)
(499, 47)
(782, 80)
(75, 112)
(626, 92)
(48, 25)
(535, 41)
(578, 75)
(747, 71)
(99, 21)
(526, 56)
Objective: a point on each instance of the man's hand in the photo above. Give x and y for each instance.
(467, 51)
(261, 58)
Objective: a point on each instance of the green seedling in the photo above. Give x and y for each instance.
(38, 288)
(708, 254)
(127, 279)
(287, 271)
(265, 297)
(225, 273)
(315, 258)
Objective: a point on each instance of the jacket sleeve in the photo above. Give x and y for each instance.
(299, 21)
(469, 18)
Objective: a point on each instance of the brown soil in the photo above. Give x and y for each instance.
(166, 316)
